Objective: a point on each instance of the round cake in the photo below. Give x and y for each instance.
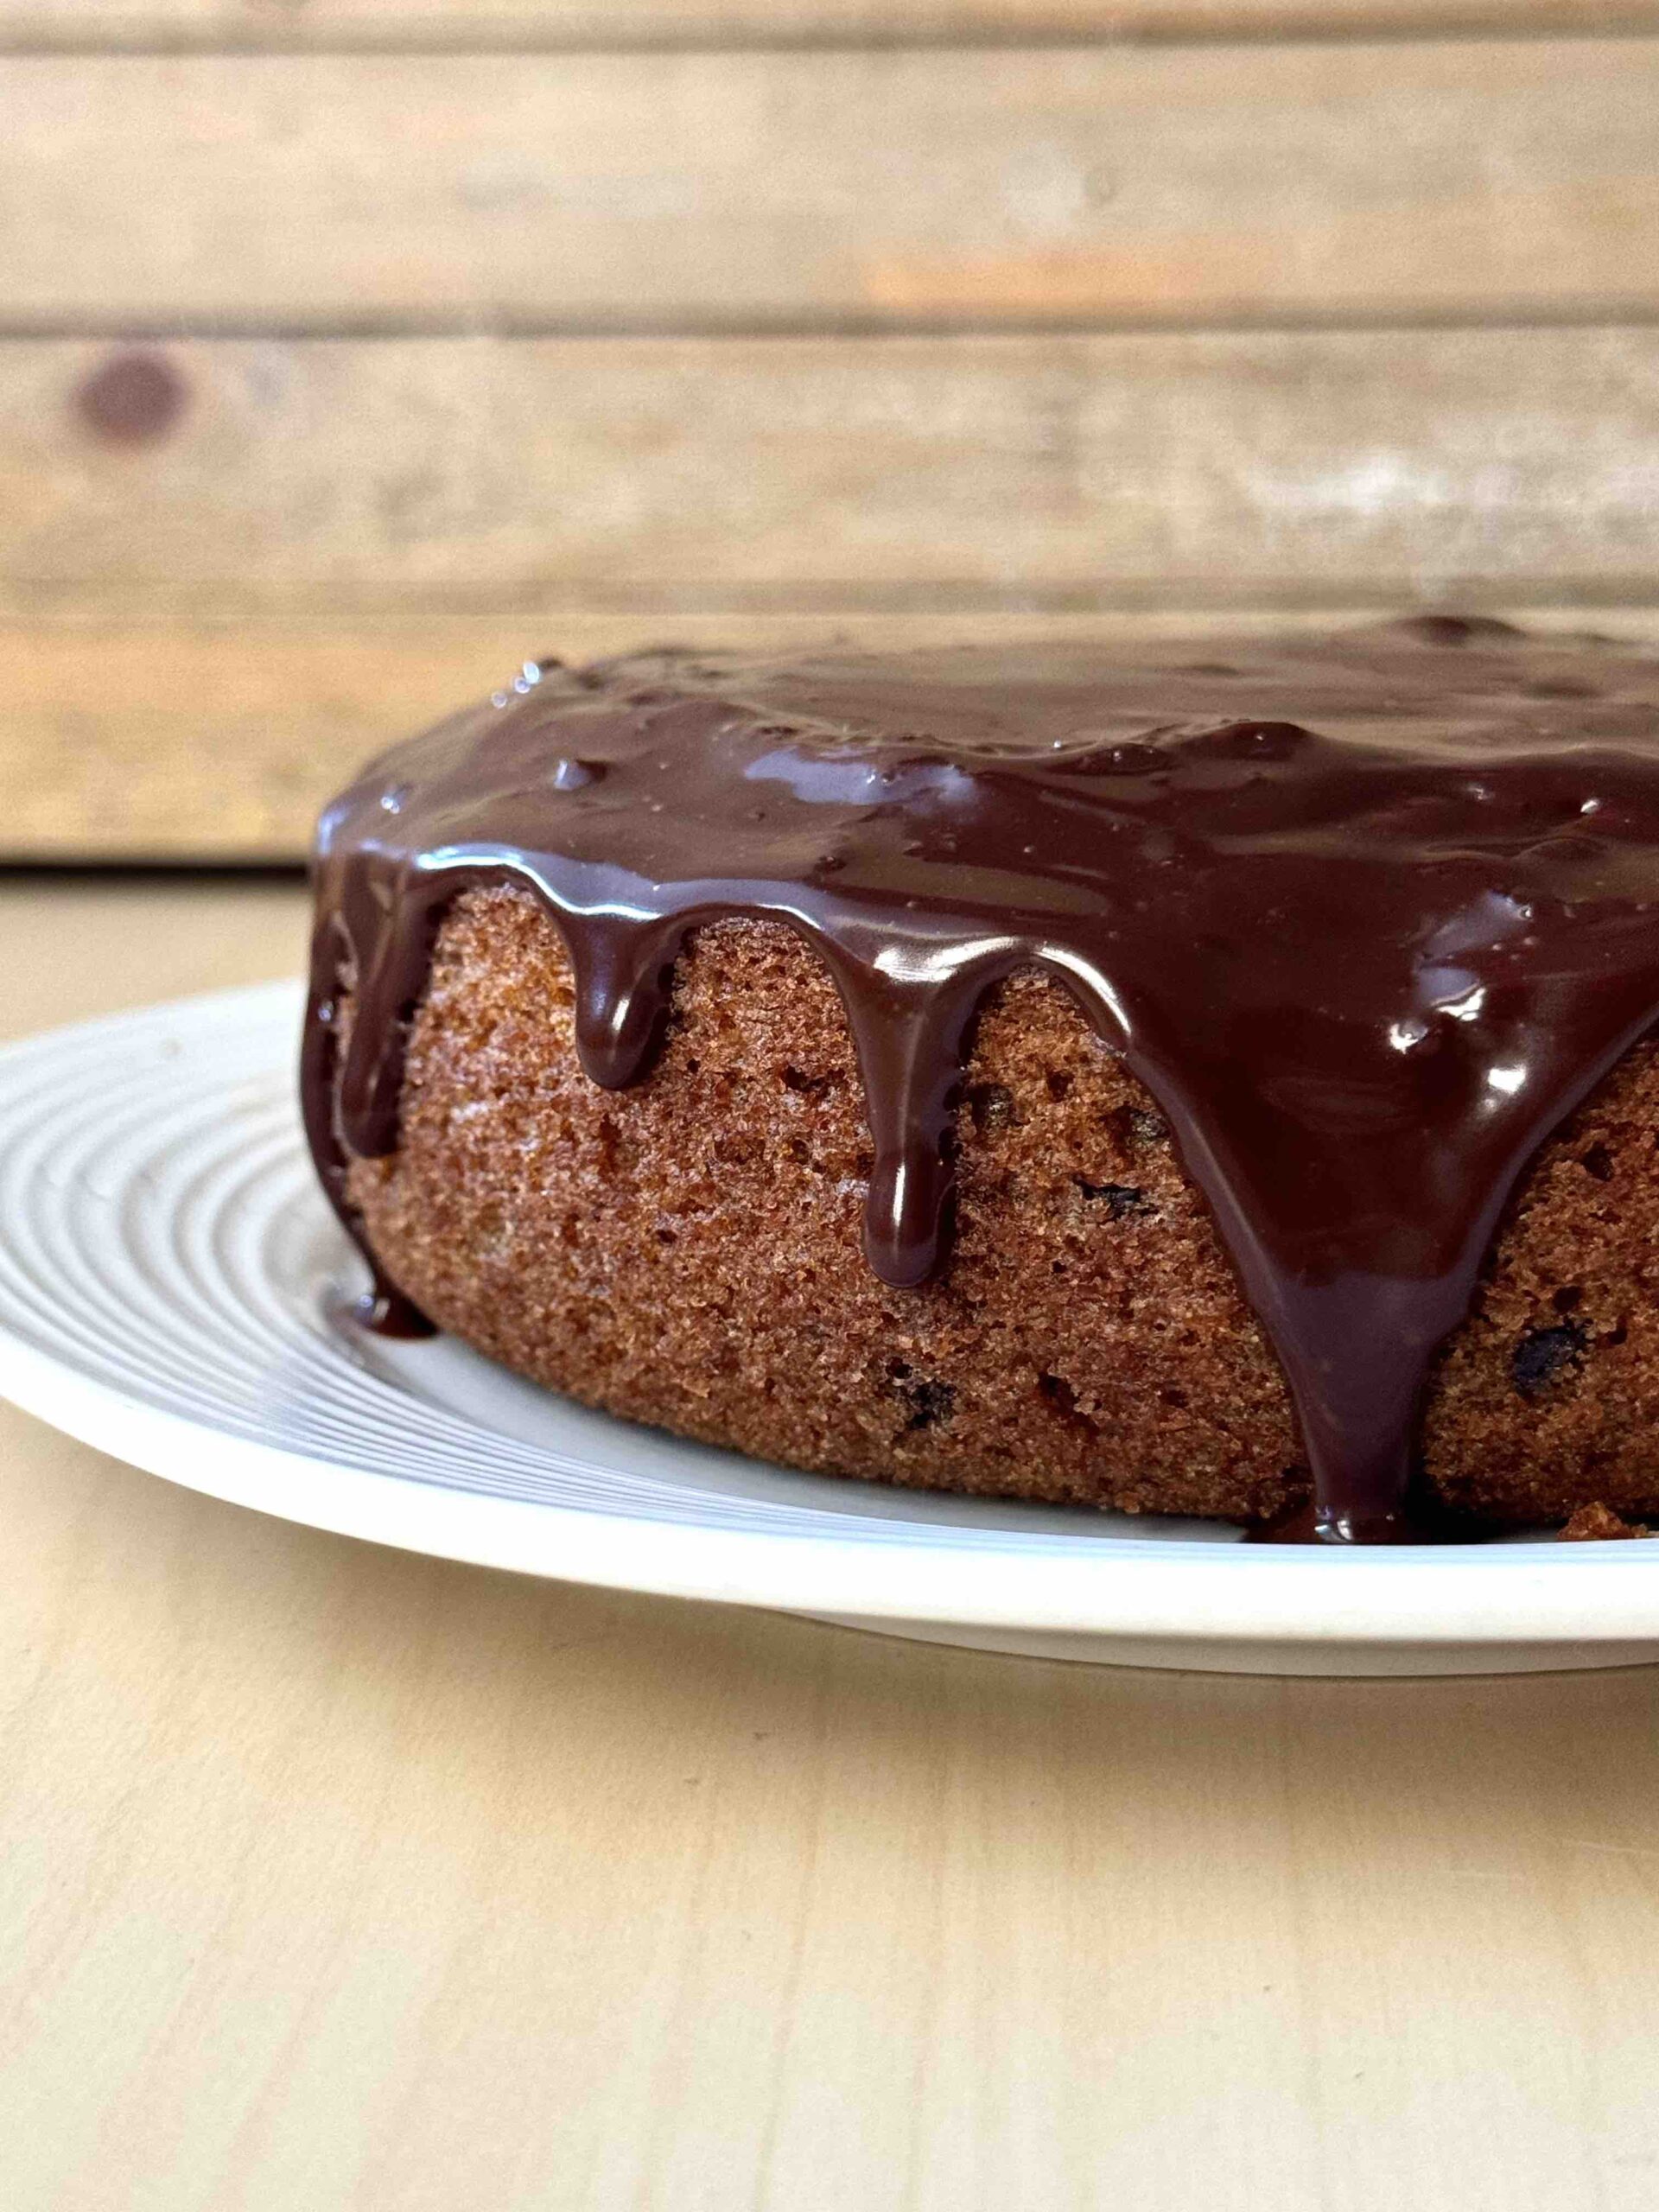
(1214, 1083)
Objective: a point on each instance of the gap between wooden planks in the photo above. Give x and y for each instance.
(374, 25)
(182, 744)
(1099, 184)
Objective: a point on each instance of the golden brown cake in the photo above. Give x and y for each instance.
(679, 1232)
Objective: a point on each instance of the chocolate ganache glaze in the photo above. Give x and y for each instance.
(1369, 915)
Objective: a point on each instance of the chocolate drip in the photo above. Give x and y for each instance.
(1368, 915)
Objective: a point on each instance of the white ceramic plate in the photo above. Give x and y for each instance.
(172, 1289)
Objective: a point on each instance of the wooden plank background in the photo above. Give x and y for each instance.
(711, 191)
(716, 320)
(1205, 469)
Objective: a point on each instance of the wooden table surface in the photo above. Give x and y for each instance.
(332, 1877)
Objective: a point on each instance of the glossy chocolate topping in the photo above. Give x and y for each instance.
(1368, 915)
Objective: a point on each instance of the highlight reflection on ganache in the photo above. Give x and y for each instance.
(1368, 915)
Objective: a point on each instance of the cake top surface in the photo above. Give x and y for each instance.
(1368, 914)
(1469, 676)
(1427, 687)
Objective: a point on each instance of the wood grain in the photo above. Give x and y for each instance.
(1099, 185)
(175, 744)
(394, 25)
(514, 477)
(338, 1878)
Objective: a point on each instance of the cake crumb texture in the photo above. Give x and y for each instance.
(1599, 1524)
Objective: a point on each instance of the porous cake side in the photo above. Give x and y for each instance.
(687, 1252)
